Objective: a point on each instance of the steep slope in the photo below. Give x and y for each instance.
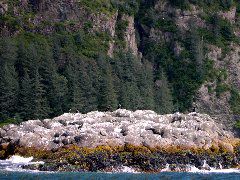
(197, 44)
(185, 54)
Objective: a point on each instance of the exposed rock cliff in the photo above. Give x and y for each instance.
(46, 16)
(130, 37)
(215, 95)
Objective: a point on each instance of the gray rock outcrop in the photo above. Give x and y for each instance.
(142, 127)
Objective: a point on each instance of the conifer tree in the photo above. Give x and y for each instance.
(107, 99)
(163, 96)
(146, 86)
(127, 69)
(130, 96)
(196, 49)
(40, 103)
(25, 102)
(93, 77)
(8, 79)
(8, 91)
(77, 99)
(89, 93)
(58, 94)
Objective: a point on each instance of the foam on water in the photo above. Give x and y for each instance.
(205, 165)
(208, 169)
(220, 166)
(166, 169)
(124, 169)
(127, 169)
(193, 169)
(19, 159)
(15, 163)
(204, 169)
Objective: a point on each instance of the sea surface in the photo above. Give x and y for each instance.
(11, 169)
(118, 176)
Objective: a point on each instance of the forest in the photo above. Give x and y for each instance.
(43, 76)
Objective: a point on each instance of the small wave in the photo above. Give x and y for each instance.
(123, 169)
(166, 169)
(19, 160)
(15, 163)
(127, 169)
(193, 169)
(207, 169)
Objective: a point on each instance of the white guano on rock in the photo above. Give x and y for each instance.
(142, 127)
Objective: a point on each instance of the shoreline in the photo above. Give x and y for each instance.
(142, 140)
(139, 158)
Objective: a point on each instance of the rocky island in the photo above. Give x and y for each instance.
(88, 55)
(102, 141)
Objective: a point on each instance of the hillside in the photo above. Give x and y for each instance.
(85, 55)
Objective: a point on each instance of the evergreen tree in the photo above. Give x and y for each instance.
(21, 56)
(107, 99)
(77, 98)
(58, 94)
(163, 96)
(8, 79)
(89, 92)
(54, 84)
(25, 106)
(80, 95)
(130, 96)
(146, 86)
(93, 72)
(31, 60)
(8, 92)
(40, 104)
(127, 68)
(196, 49)
(72, 76)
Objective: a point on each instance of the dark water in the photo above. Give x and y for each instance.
(105, 176)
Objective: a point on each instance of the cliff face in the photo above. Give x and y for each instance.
(215, 95)
(45, 17)
(174, 36)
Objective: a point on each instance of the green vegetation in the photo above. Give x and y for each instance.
(221, 88)
(235, 101)
(127, 6)
(9, 121)
(166, 25)
(46, 75)
(206, 4)
(237, 125)
(110, 6)
(97, 6)
(221, 34)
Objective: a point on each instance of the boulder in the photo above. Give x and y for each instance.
(142, 127)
